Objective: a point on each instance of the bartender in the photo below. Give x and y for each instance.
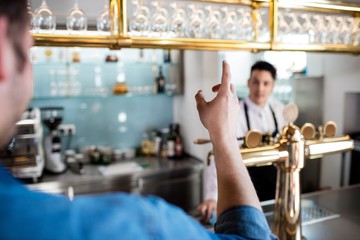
(258, 112)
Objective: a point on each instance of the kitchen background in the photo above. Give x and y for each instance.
(81, 81)
(102, 118)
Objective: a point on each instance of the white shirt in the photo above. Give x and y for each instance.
(261, 119)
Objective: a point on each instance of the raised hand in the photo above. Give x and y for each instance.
(220, 115)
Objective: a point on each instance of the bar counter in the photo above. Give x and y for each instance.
(328, 215)
(177, 181)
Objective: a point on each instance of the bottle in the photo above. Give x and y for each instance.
(155, 140)
(146, 146)
(160, 81)
(141, 55)
(179, 145)
(120, 87)
(164, 145)
(167, 56)
(171, 141)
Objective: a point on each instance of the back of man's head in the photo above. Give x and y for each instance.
(264, 66)
(16, 13)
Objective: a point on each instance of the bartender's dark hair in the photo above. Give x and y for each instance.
(16, 13)
(264, 66)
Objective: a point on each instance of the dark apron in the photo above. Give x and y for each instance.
(264, 177)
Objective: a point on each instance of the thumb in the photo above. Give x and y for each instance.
(199, 97)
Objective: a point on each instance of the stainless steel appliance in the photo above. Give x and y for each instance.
(308, 95)
(24, 155)
(54, 160)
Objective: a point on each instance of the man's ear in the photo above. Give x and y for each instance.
(3, 45)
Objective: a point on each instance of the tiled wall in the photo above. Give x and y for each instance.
(85, 91)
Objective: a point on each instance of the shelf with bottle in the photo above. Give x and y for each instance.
(164, 143)
(77, 56)
(86, 81)
(83, 72)
(103, 64)
(102, 94)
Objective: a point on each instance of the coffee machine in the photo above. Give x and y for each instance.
(51, 118)
(24, 155)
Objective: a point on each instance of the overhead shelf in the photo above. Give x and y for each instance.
(74, 40)
(197, 44)
(271, 10)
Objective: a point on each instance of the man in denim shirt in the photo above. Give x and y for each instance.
(32, 215)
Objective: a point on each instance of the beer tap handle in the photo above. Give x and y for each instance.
(290, 113)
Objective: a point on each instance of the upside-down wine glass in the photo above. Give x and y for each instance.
(45, 20)
(103, 20)
(76, 20)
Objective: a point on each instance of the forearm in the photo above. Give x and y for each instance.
(234, 184)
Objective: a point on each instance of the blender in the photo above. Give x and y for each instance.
(51, 118)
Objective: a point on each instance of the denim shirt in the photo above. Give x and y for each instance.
(32, 215)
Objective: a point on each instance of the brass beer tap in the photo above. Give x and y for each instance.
(288, 154)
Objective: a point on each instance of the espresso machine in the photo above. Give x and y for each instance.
(51, 118)
(24, 155)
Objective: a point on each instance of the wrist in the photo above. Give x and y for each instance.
(222, 137)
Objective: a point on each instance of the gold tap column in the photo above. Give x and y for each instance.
(273, 15)
(288, 203)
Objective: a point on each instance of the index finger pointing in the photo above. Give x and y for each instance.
(226, 76)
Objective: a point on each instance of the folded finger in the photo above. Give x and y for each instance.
(202, 209)
(216, 88)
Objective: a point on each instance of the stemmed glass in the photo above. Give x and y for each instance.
(308, 27)
(139, 22)
(263, 25)
(333, 26)
(31, 16)
(244, 22)
(195, 27)
(213, 23)
(229, 23)
(45, 20)
(76, 20)
(304, 32)
(317, 22)
(103, 20)
(283, 28)
(178, 22)
(295, 27)
(159, 20)
(346, 30)
(355, 34)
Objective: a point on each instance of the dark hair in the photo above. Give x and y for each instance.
(15, 11)
(264, 66)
